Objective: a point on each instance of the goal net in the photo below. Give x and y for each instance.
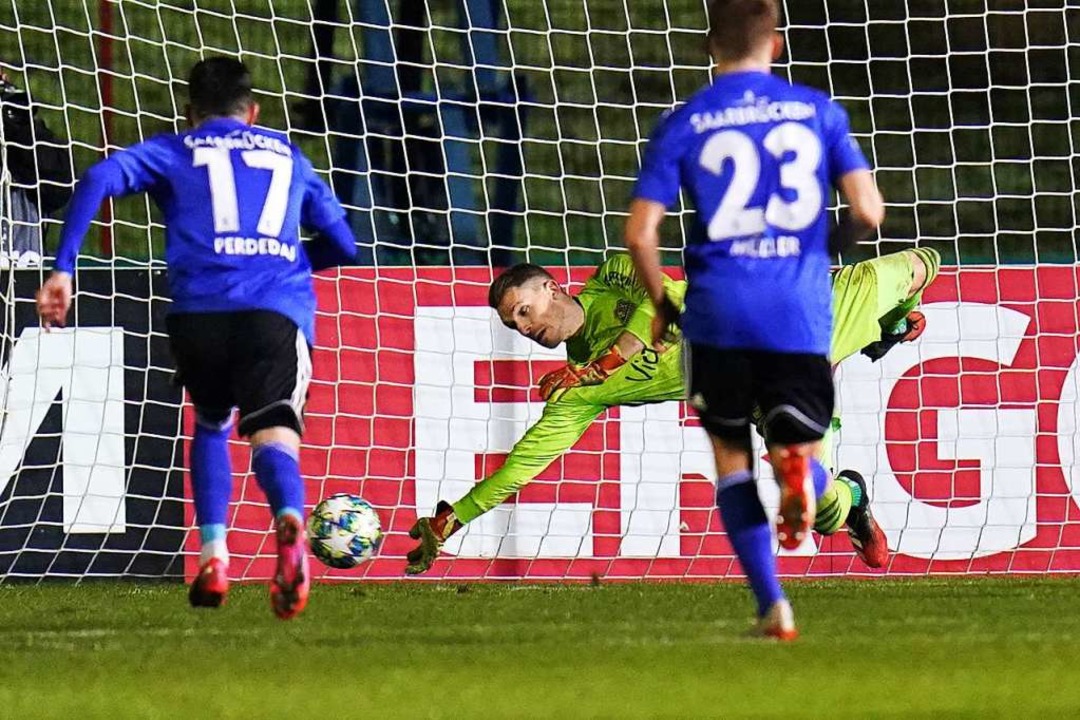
(465, 136)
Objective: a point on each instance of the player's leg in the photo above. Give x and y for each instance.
(211, 489)
(796, 395)
(871, 299)
(275, 459)
(720, 390)
(271, 377)
(866, 535)
(901, 279)
(924, 264)
(863, 294)
(835, 503)
(199, 346)
(846, 503)
(874, 307)
(833, 507)
(747, 528)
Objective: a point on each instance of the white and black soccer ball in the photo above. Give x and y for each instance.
(344, 530)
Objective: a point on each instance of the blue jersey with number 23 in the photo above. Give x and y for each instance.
(758, 158)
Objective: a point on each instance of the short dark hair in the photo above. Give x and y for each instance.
(515, 277)
(738, 27)
(219, 86)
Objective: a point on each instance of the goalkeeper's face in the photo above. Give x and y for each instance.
(541, 311)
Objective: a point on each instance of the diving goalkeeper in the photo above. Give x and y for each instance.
(607, 331)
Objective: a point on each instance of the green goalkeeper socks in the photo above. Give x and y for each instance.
(833, 507)
(856, 490)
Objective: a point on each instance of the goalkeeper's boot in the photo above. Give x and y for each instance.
(866, 535)
(292, 580)
(908, 330)
(432, 532)
(778, 622)
(797, 501)
(211, 586)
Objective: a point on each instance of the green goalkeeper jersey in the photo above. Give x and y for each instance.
(614, 301)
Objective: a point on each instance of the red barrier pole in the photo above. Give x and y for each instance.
(105, 50)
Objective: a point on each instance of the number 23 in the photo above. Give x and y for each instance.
(732, 217)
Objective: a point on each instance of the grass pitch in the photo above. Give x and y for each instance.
(921, 648)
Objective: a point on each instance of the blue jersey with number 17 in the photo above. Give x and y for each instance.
(758, 158)
(233, 198)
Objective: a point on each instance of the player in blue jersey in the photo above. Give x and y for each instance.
(758, 158)
(242, 319)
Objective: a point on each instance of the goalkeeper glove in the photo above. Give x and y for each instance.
(432, 532)
(570, 376)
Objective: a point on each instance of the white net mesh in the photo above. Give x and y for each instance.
(462, 135)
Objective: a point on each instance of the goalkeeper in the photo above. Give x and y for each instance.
(607, 331)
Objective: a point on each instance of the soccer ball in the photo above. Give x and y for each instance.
(344, 531)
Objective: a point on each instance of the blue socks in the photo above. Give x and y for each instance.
(277, 470)
(211, 484)
(820, 475)
(749, 532)
(211, 472)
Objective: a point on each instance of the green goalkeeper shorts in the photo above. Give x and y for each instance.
(863, 293)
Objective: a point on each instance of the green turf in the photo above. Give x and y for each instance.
(922, 648)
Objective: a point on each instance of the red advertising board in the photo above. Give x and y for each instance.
(967, 437)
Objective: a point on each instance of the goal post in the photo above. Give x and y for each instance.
(466, 136)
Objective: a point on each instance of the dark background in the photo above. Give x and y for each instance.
(967, 107)
(32, 540)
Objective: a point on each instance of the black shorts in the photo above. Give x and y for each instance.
(256, 360)
(789, 395)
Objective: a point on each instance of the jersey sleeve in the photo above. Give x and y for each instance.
(561, 425)
(136, 169)
(320, 209)
(841, 148)
(659, 177)
(334, 244)
(144, 164)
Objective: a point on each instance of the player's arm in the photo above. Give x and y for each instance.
(850, 173)
(642, 238)
(865, 213)
(657, 189)
(593, 373)
(333, 244)
(126, 172)
(561, 425)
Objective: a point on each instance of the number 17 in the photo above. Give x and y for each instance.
(223, 187)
